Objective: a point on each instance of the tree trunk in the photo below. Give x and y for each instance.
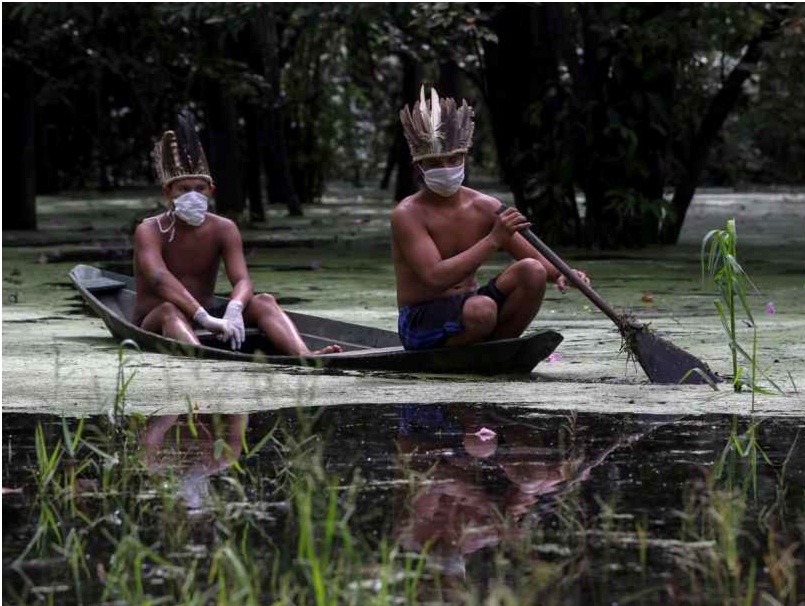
(391, 159)
(275, 148)
(48, 142)
(717, 111)
(254, 191)
(406, 183)
(100, 145)
(525, 107)
(19, 161)
(449, 80)
(224, 151)
(624, 136)
(450, 86)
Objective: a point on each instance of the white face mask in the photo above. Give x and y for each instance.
(444, 181)
(191, 208)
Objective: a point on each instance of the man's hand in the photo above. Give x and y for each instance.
(507, 223)
(562, 283)
(221, 327)
(234, 315)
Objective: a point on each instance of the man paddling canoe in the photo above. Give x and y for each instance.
(443, 233)
(178, 252)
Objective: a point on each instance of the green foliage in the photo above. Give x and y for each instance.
(719, 255)
(765, 141)
(612, 95)
(99, 487)
(622, 101)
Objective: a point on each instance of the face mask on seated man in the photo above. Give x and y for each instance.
(191, 208)
(444, 181)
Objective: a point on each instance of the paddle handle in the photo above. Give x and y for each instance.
(566, 271)
(571, 276)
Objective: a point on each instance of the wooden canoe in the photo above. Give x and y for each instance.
(111, 296)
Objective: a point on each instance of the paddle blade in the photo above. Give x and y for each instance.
(666, 363)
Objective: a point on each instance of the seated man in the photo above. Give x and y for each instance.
(177, 255)
(443, 233)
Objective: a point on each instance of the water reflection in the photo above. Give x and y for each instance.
(192, 448)
(342, 504)
(473, 475)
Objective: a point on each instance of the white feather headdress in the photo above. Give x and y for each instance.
(437, 127)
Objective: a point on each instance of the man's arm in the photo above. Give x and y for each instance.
(423, 257)
(238, 274)
(235, 264)
(151, 265)
(519, 248)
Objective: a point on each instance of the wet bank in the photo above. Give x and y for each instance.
(404, 503)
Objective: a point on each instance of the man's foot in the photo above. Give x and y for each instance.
(326, 350)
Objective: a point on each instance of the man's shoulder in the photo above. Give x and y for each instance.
(147, 225)
(151, 219)
(412, 200)
(481, 199)
(221, 223)
(407, 205)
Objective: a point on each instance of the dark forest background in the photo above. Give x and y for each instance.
(631, 105)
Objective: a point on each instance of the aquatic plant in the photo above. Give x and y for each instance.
(136, 516)
(286, 527)
(124, 379)
(719, 256)
(722, 508)
(47, 459)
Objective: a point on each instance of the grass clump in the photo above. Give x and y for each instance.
(719, 256)
(165, 510)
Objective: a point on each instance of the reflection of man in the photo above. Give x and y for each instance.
(482, 475)
(193, 450)
(177, 255)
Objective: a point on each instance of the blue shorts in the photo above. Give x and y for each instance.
(428, 325)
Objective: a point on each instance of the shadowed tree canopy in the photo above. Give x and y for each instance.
(620, 104)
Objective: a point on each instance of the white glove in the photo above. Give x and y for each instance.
(216, 325)
(234, 315)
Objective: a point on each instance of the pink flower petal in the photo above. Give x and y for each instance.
(770, 308)
(485, 434)
(554, 357)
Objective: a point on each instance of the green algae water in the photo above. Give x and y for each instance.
(404, 503)
(216, 482)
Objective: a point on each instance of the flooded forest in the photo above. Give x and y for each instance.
(639, 442)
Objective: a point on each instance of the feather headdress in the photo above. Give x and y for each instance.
(437, 127)
(179, 155)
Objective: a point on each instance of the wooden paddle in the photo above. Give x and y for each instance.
(661, 360)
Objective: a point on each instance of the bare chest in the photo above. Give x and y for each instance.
(456, 231)
(191, 255)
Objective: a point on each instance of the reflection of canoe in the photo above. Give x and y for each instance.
(111, 296)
